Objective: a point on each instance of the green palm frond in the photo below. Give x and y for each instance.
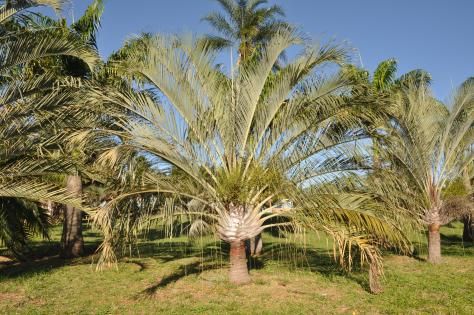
(89, 23)
(11, 7)
(19, 221)
(384, 75)
(26, 46)
(418, 77)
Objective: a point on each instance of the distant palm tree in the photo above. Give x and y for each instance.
(245, 24)
(241, 144)
(384, 77)
(426, 149)
(384, 82)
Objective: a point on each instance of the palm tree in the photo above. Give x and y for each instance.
(384, 83)
(72, 242)
(241, 143)
(245, 24)
(427, 149)
(25, 104)
(384, 77)
(85, 29)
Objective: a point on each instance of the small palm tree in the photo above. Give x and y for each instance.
(245, 24)
(241, 143)
(429, 147)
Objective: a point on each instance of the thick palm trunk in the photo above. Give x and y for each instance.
(72, 242)
(238, 273)
(468, 231)
(434, 244)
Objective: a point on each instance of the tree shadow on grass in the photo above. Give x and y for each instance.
(289, 254)
(42, 265)
(453, 245)
(182, 272)
(174, 250)
(44, 257)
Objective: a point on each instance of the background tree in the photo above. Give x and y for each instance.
(427, 149)
(245, 24)
(384, 83)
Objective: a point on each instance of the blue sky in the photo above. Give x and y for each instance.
(436, 35)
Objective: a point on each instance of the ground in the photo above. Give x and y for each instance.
(178, 276)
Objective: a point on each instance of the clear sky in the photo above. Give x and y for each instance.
(436, 35)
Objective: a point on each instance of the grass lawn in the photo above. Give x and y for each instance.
(178, 276)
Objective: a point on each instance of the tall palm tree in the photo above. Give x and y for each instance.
(242, 143)
(25, 102)
(85, 29)
(245, 24)
(427, 149)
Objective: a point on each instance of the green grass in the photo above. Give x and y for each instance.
(179, 277)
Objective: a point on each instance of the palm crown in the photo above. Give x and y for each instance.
(247, 25)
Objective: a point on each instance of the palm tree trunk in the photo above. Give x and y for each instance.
(468, 220)
(374, 278)
(72, 242)
(434, 244)
(468, 231)
(238, 273)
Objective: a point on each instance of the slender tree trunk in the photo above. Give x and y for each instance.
(434, 244)
(468, 220)
(374, 278)
(238, 273)
(468, 231)
(72, 242)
